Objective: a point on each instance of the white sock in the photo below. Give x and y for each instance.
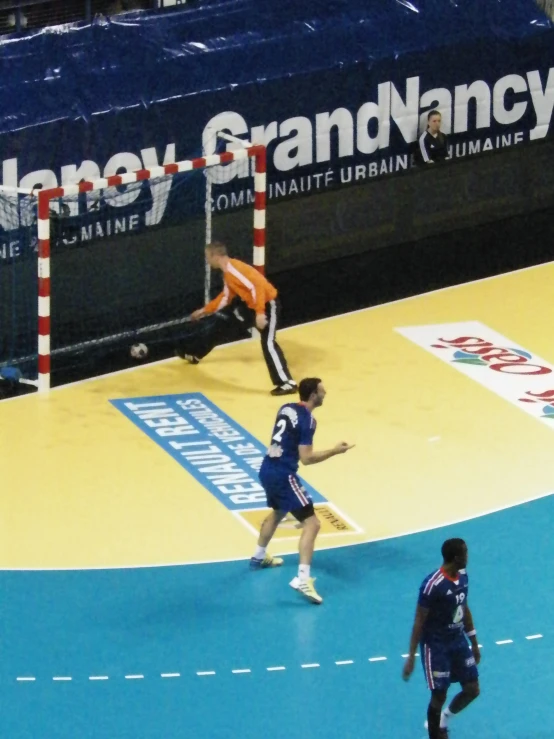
(303, 572)
(260, 552)
(445, 715)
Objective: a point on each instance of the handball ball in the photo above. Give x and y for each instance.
(139, 351)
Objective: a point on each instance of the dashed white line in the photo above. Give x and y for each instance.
(405, 656)
(245, 671)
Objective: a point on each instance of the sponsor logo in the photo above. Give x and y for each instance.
(441, 674)
(218, 452)
(470, 661)
(222, 456)
(72, 174)
(481, 353)
(300, 141)
(544, 399)
(333, 522)
(510, 371)
(479, 109)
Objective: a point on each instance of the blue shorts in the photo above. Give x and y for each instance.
(284, 490)
(446, 662)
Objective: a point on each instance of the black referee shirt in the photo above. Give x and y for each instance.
(432, 148)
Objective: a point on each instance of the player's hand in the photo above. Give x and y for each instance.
(343, 447)
(261, 321)
(408, 668)
(476, 653)
(197, 314)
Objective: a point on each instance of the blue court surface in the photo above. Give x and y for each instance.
(215, 651)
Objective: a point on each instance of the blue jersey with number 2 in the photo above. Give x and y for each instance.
(294, 427)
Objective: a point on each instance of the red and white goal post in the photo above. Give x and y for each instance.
(48, 201)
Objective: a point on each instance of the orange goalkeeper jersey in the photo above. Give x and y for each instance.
(243, 281)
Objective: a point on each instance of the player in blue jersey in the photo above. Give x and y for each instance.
(291, 443)
(443, 624)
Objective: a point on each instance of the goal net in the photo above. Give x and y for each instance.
(97, 266)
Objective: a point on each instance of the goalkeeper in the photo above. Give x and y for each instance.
(258, 301)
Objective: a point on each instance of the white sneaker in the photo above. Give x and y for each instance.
(307, 589)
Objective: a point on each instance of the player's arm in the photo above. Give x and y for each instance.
(417, 631)
(219, 302)
(471, 633)
(306, 452)
(424, 604)
(309, 456)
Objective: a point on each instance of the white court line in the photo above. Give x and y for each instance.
(251, 528)
(291, 328)
(274, 668)
(413, 532)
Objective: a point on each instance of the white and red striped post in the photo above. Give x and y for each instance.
(259, 206)
(45, 196)
(43, 214)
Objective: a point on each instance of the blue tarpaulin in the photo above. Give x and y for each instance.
(136, 60)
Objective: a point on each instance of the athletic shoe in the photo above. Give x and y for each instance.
(288, 388)
(267, 561)
(307, 589)
(180, 351)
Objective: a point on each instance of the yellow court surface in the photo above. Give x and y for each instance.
(445, 395)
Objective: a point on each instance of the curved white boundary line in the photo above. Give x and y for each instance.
(540, 496)
(320, 549)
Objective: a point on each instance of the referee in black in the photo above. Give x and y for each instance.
(433, 143)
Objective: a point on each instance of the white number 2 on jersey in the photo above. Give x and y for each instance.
(281, 426)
